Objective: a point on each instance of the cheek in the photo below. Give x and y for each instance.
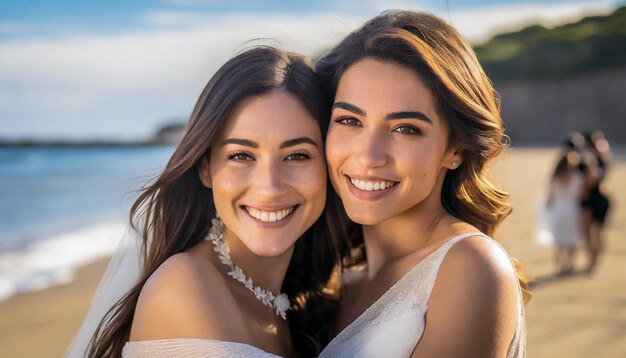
(311, 182)
(421, 163)
(225, 181)
(336, 149)
(227, 186)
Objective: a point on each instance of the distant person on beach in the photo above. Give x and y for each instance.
(564, 211)
(236, 252)
(595, 160)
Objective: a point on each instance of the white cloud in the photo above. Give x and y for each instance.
(13, 27)
(126, 84)
(478, 25)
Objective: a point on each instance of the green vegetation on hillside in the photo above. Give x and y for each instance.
(593, 43)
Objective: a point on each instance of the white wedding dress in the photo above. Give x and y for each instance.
(565, 213)
(122, 274)
(393, 325)
(192, 348)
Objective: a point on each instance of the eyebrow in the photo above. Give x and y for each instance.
(349, 107)
(244, 142)
(285, 144)
(296, 141)
(391, 116)
(409, 115)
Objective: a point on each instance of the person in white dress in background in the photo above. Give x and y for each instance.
(415, 120)
(234, 286)
(565, 212)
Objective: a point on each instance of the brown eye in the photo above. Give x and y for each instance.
(407, 130)
(298, 156)
(240, 157)
(348, 121)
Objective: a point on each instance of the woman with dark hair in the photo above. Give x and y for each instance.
(414, 122)
(596, 157)
(235, 254)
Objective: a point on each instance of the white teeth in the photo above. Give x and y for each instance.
(269, 216)
(372, 186)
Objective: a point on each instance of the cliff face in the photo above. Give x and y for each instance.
(554, 81)
(545, 111)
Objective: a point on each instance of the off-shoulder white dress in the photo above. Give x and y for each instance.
(393, 325)
(192, 348)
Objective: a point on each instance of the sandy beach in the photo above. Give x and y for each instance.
(578, 316)
(43, 323)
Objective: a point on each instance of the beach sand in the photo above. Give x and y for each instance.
(578, 316)
(43, 323)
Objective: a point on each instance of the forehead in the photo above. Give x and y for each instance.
(372, 83)
(275, 116)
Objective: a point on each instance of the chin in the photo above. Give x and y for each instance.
(270, 249)
(365, 218)
(269, 253)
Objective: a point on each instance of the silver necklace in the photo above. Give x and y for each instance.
(280, 302)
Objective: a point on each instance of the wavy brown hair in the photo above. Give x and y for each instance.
(173, 212)
(464, 97)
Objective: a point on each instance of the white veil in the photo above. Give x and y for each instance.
(120, 276)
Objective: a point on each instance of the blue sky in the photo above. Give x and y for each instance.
(120, 69)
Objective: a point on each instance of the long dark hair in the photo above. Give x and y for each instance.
(464, 97)
(563, 167)
(172, 213)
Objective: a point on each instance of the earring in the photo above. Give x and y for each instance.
(454, 164)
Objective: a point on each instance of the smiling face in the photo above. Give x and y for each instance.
(387, 146)
(268, 173)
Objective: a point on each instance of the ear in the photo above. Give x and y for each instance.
(204, 173)
(453, 158)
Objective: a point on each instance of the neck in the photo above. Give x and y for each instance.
(265, 272)
(403, 234)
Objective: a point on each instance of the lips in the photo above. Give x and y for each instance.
(274, 215)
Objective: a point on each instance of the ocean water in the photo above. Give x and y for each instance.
(63, 207)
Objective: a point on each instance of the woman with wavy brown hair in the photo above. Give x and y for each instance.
(236, 256)
(414, 122)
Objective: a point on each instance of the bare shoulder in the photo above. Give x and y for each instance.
(473, 305)
(186, 297)
(480, 270)
(479, 261)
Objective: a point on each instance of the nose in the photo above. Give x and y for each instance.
(270, 179)
(371, 151)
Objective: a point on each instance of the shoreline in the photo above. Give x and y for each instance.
(54, 261)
